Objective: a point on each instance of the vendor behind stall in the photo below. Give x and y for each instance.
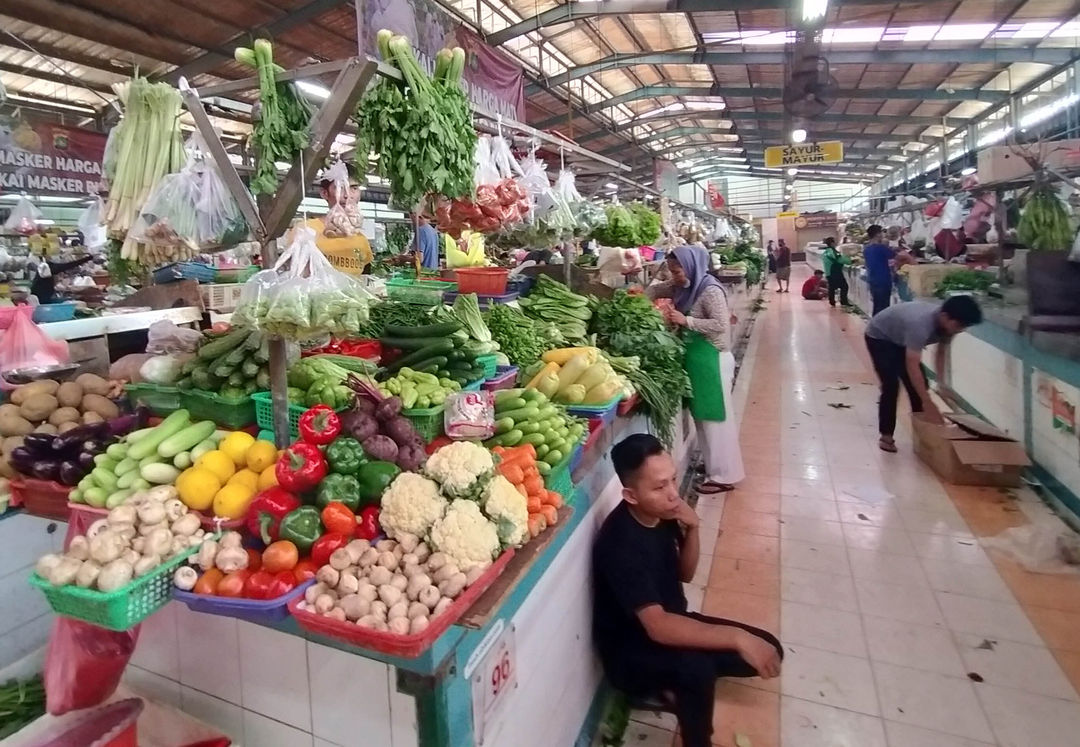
(44, 283)
(334, 247)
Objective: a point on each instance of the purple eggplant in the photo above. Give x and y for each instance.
(72, 441)
(46, 469)
(23, 460)
(86, 460)
(126, 423)
(40, 443)
(70, 473)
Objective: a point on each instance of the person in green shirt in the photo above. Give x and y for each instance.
(834, 261)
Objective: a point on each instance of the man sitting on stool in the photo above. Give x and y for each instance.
(650, 645)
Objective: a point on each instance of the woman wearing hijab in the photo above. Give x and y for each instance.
(701, 306)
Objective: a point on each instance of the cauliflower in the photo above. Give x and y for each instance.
(465, 535)
(410, 504)
(509, 510)
(461, 468)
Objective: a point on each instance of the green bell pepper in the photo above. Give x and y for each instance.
(341, 488)
(374, 477)
(345, 455)
(302, 527)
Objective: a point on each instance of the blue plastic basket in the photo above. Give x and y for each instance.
(253, 610)
(185, 270)
(606, 411)
(473, 386)
(484, 302)
(54, 312)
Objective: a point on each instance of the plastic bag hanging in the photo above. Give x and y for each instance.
(339, 221)
(92, 224)
(24, 218)
(84, 664)
(25, 345)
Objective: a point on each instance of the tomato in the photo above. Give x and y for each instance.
(283, 583)
(280, 556)
(254, 560)
(233, 583)
(304, 570)
(208, 582)
(258, 585)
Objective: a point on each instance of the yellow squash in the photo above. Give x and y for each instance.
(562, 356)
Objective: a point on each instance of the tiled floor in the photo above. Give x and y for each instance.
(899, 629)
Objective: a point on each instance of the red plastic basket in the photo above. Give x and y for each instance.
(483, 281)
(627, 406)
(42, 497)
(405, 646)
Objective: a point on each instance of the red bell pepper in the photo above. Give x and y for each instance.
(267, 510)
(319, 425)
(324, 546)
(304, 570)
(259, 585)
(283, 583)
(337, 517)
(368, 525)
(301, 467)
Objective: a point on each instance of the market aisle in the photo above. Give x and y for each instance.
(899, 630)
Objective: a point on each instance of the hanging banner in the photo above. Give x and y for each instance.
(49, 159)
(666, 178)
(493, 81)
(716, 194)
(815, 220)
(779, 156)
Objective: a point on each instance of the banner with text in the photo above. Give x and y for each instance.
(717, 193)
(493, 80)
(46, 158)
(807, 154)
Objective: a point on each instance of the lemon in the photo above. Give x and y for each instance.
(219, 463)
(267, 478)
(197, 488)
(245, 477)
(235, 445)
(232, 501)
(261, 455)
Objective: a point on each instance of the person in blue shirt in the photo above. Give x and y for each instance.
(878, 255)
(428, 239)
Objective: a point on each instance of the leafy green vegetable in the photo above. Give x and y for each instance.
(963, 280)
(551, 301)
(620, 229)
(394, 313)
(521, 339)
(648, 223)
(20, 703)
(744, 251)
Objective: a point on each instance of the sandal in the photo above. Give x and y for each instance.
(887, 444)
(708, 487)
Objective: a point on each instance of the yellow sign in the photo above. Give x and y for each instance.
(779, 156)
(788, 214)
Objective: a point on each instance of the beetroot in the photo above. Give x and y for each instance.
(382, 448)
(411, 457)
(388, 408)
(401, 430)
(358, 424)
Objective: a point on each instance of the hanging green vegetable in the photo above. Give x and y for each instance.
(281, 130)
(1044, 221)
(421, 127)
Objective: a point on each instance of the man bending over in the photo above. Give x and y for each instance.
(650, 645)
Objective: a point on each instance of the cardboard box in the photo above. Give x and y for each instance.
(969, 451)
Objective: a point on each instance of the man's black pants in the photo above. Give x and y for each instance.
(891, 365)
(688, 674)
(837, 282)
(880, 298)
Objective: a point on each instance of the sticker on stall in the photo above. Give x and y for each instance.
(492, 681)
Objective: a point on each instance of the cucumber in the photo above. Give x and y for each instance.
(141, 484)
(222, 345)
(75, 496)
(118, 497)
(520, 415)
(152, 459)
(159, 474)
(185, 439)
(504, 425)
(533, 438)
(443, 329)
(182, 460)
(170, 426)
(509, 403)
(104, 478)
(503, 395)
(543, 468)
(104, 460)
(127, 479)
(510, 438)
(124, 466)
(95, 497)
(116, 451)
(553, 457)
(201, 448)
(438, 347)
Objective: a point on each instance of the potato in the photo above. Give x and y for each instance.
(47, 428)
(9, 409)
(38, 407)
(103, 406)
(70, 394)
(15, 425)
(10, 443)
(93, 384)
(65, 427)
(64, 415)
(26, 391)
(91, 417)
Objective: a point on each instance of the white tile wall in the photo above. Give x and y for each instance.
(25, 619)
(989, 379)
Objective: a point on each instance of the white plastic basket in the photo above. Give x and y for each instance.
(221, 297)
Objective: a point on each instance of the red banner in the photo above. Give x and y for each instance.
(46, 158)
(715, 193)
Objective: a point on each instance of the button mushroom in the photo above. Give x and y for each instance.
(106, 546)
(64, 572)
(355, 606)
(328, 575)
(186, 525)
(79, 548)
(429, 596)
(122, 514)
(408, 542)
(418, 625)
(175, 509)
(152, 512)
(452, 586)
(158, 543)
(388, 560)
(400, 609)
(390, 595)
(207, 553)
(114, 575)
(399, 625)
(185, 578)
(145, 564)
(46, 563)
(340, 559)
(442, 606)
(417, 584)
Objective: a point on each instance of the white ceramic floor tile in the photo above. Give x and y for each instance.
(211, 653)
(264, 654)
(935, 522)
(878, 539)
(987, 618)
(158, 647)
(829, 678)
(643, 735)
(908, 603)
(906, 735)
(814, 557)
(887, 568)
(971, 580)
(806, 724)
(349, 696)
(323, 743)
(931, 700)
(1032, 669)
(822, 589)
(948, 547)
(912, 645)
(260, 730)
(865, 514)
(821, 627)
(665, 721)
(810, 508)
(695, 595)
(1025, 720)
(811, 529)
(701, 575)
(799, 471)
(404, 730)
(152, 686)
(214, 711)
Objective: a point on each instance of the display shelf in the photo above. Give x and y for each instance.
(111, 324)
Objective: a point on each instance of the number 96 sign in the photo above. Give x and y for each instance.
(493, 679)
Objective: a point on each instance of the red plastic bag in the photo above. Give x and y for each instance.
(24, 345)
(84, 664)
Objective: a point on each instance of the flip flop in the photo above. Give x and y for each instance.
(712, 488)
(887, 444)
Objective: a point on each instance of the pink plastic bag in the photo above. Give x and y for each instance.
(84, 664)
(24, 345)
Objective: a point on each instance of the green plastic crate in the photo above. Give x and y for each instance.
(264, 413)
(228, 412)
(420, 292)
(116, 610)
(428, 422)
(161, 400)
(473, 386)
(489, 364)
(560, 479)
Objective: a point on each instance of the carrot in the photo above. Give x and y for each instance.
(516, 457)
(550, 514)
(551, 498)
(537, 524)
(528, 449)
(521, 489)
(533, 504)
(534, 485)
(513, 473)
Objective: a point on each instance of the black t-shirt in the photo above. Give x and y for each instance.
(634, 566)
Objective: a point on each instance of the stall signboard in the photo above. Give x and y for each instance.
(493, 81)
(492, 673)
(815, 220)
(805, 154)
(716, 194)
(49, 159)
(666, 178)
